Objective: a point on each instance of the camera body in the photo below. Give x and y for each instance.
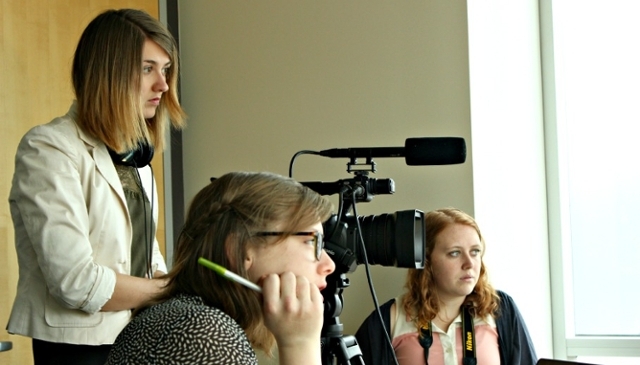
(389, 239)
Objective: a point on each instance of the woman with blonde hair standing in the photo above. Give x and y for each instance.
(83, 198)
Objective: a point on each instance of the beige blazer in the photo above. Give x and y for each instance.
(72, 234)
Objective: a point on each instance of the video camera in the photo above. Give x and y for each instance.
(389, 239)
(395, 239)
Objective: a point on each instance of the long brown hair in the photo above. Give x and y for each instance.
(106, 74)
(421, 300)
(220, 226)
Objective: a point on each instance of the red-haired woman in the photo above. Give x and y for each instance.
(450, 313)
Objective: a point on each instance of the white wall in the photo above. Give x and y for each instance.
(263, 80)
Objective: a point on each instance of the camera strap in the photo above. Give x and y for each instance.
(425, 338)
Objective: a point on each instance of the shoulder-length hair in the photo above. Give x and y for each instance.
(106, 74)
(221, 224)
(422, 300)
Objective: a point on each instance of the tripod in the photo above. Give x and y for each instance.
(336, 348)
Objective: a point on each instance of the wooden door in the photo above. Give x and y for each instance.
(37, 41)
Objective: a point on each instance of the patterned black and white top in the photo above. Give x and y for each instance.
(182, 330)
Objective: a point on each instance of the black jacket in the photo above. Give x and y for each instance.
(515, 345)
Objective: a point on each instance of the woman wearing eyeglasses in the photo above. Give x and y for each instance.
(265, 228)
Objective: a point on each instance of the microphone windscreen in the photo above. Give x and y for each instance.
(435, 151)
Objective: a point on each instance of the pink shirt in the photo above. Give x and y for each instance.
(446, 348)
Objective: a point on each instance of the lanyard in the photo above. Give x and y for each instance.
(468, 339)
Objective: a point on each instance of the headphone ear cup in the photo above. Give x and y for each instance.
(140, 157)
(143, 155)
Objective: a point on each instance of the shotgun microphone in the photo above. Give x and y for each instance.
(416, 151)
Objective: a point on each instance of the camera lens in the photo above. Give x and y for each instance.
(395, 239)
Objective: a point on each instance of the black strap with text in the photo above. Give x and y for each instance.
(425, 338)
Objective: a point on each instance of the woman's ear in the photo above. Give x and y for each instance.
(250, 257)
(231, 250)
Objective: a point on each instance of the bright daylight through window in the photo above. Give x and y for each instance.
(596, 61)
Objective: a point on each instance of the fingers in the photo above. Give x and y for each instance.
(288, 293)
(293, 308)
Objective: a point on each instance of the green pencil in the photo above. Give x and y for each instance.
(228, 274)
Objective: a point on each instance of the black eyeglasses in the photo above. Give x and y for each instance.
(318, 239)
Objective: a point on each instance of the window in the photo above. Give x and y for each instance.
(591, 68)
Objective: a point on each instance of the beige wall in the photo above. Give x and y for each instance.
(37, 41)
(263, 80)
